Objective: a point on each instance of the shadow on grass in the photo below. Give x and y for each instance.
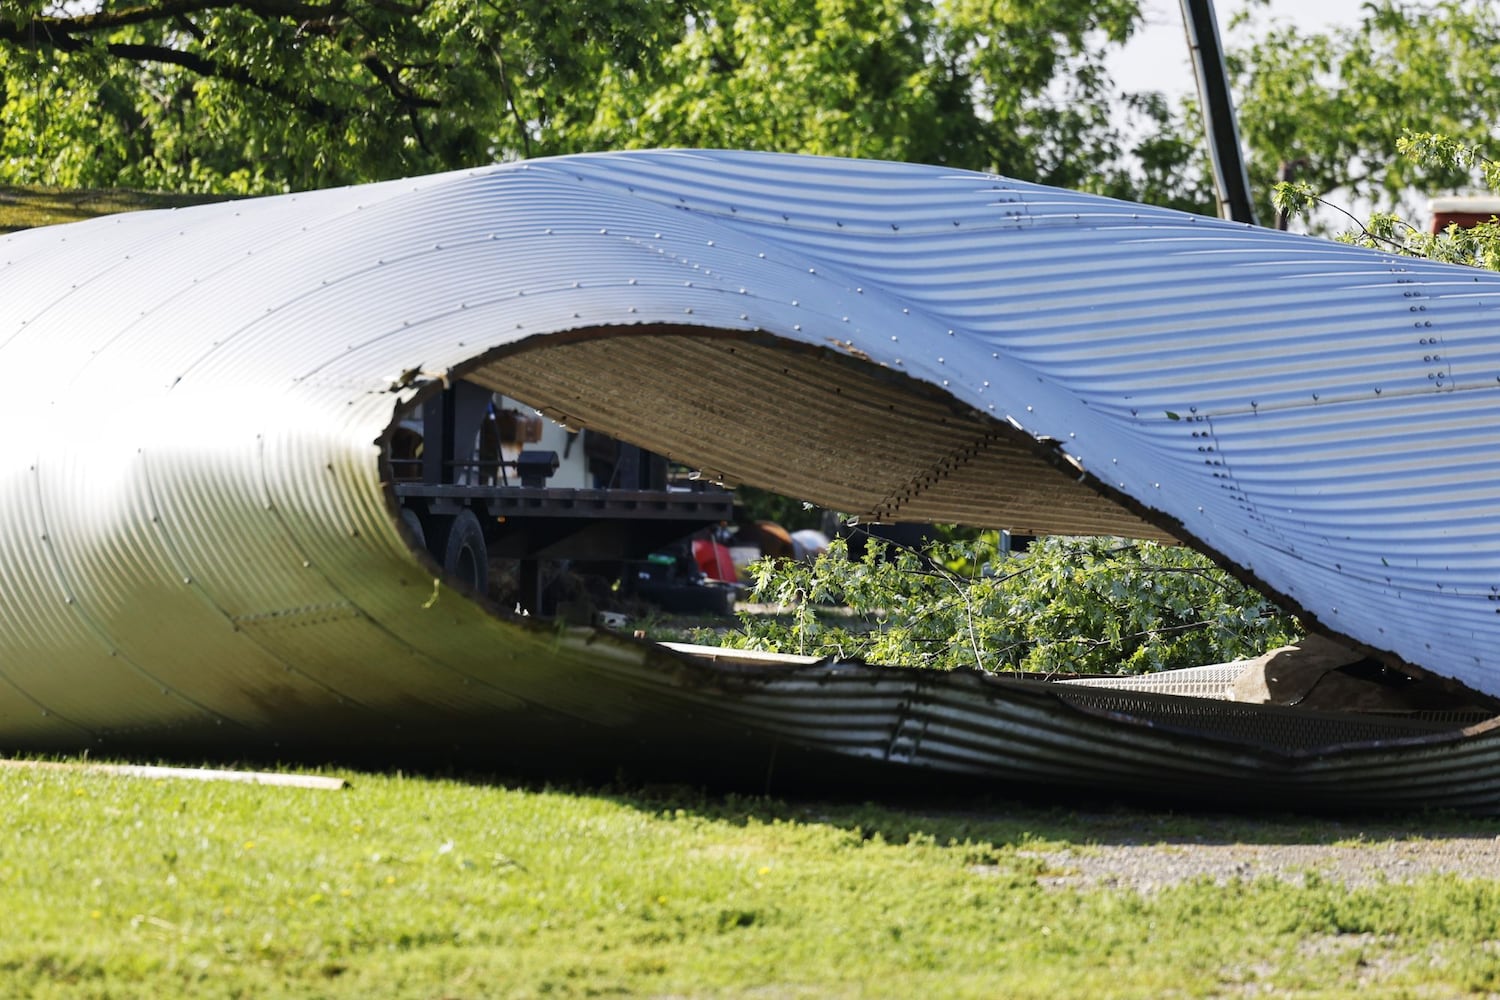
(986, 819)
(961, 818)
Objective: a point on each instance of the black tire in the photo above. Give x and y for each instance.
(466, 559)
(414, 525)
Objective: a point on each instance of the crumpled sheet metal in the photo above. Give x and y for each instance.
(195, 523)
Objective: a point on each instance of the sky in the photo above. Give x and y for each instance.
(1157, 57)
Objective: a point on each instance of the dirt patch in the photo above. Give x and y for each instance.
(1147, 868)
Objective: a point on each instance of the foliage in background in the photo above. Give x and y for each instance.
(1335, 104)
(1020, 88)
(755, 504)
(1096, 605)
(1476, 246)
(255, 96)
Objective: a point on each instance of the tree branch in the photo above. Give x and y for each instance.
(73, 33)
(206, 67)
(73, 26)
(405, 97)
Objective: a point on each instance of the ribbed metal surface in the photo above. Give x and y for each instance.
(1026, 733)
(1214, 680)
(198, 545)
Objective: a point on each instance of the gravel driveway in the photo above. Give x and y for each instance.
(1148, 867)
(1224, 849)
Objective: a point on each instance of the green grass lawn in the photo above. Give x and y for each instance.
(421, 887)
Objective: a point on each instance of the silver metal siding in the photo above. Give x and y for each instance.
(197, 540)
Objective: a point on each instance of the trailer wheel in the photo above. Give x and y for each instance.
(465, 557)
(414, 525)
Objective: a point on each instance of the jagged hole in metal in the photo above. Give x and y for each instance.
(811, 424)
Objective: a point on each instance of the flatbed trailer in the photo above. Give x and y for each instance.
(467, 502)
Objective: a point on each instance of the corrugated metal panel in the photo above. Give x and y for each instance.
(199, 545)
(1028, 733)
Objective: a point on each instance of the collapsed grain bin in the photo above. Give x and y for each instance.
(206, 543)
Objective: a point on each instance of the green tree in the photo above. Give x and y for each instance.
(262, 95)
(985, 84)
(1336, 104)
(1474, 246)
(247, 96)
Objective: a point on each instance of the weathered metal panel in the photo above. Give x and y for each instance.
(200, 545)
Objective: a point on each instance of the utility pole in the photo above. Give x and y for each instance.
(1231, 182)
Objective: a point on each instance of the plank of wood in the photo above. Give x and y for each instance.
(184, 773)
